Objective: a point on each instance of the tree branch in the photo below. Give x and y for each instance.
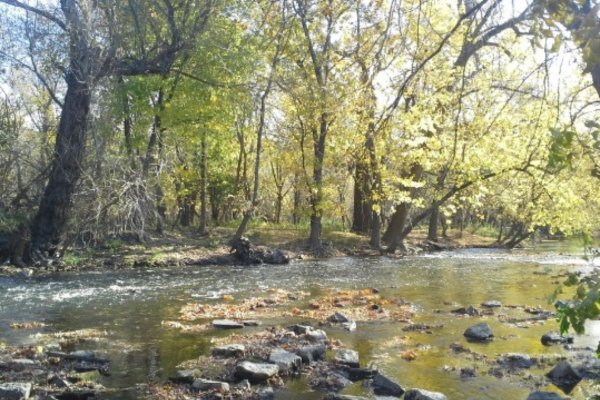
(45, 14)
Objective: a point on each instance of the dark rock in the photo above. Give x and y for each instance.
(472, 311)
(252, 322)
(255, 372)
(375, 290)
(310, 354)
(551, 338)
(516, 360)
(564, 377)
(384, 386)
(204, 385)
(420, 394)
(58, 381)
(467, 373)
(347, 357)
(15, 390)
(358, 374)
(277, 256)
(545, 396)
(285, 360)
(337, 317)
(226, 324)
(229, 351)
(491, 304)
(479, 332)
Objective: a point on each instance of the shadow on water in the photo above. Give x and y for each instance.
(130, 306)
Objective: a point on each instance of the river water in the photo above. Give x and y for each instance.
(130, 306)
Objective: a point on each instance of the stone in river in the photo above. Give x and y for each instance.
(256, 372)
(226, 324)
(479, 332)
(420, 394)
(347, 357)
(384, 386)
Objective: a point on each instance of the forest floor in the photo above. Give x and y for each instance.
(188, 248)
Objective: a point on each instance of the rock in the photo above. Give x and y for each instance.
(255, 372)
(285, 360)
(340, 380)
(205, 385)
(384, 386)
(243, 385)
(186, 376)
(479, 332)
(420, 394)
(58, 381)
(310, 354)
(551, 338)
(516, 360)
(491, 304)
(226, 324)
(347, 357)
(564, 377)
(265, 393)
(317, 335)
(277, 256)
(338, 318)
(350, 326)
(15, 390)
(252, 322)
(358, 374)
(229, 351)
(472, 311)
(303, 328)
(23, 363)
(545, 396)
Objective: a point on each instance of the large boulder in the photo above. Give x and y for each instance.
(15, 390)
(347, 357)
(420, 394)
(564, 377)
(382, 385)
(255, 372)
(479, 332)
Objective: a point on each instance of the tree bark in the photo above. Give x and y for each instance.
(363, 207)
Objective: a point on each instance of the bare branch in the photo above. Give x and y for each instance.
(45, 14)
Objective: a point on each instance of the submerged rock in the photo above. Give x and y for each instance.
(491, 304)
(472, 311)
(255, 372)
(545, 396)
(382, 385)
(420, 394)
(516, 360)
(358, 374)
(479, 332)
(265, 393)
(335, 396)
(338, 318)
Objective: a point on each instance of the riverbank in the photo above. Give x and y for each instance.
(188, 248)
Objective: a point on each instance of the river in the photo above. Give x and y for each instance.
(131, 304)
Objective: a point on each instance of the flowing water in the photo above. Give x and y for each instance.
(130, 305)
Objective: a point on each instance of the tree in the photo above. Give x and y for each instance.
(99, 45)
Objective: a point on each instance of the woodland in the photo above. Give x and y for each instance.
(125, 116)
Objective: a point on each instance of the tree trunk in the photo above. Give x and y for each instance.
(297, 201)
(433, 224)
(203, 176)
(363, 208)
(50, 222)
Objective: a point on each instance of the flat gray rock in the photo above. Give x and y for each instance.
(205, 385)
(551, 338)
(256, 372)
(347, 357)
(420, 394)
(226, 324)
(310, 354)
(491, 304)
(228, 351)
(317, 335)
(285, 360)
(15, 390)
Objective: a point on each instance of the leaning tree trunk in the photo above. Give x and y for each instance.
(49, 225)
